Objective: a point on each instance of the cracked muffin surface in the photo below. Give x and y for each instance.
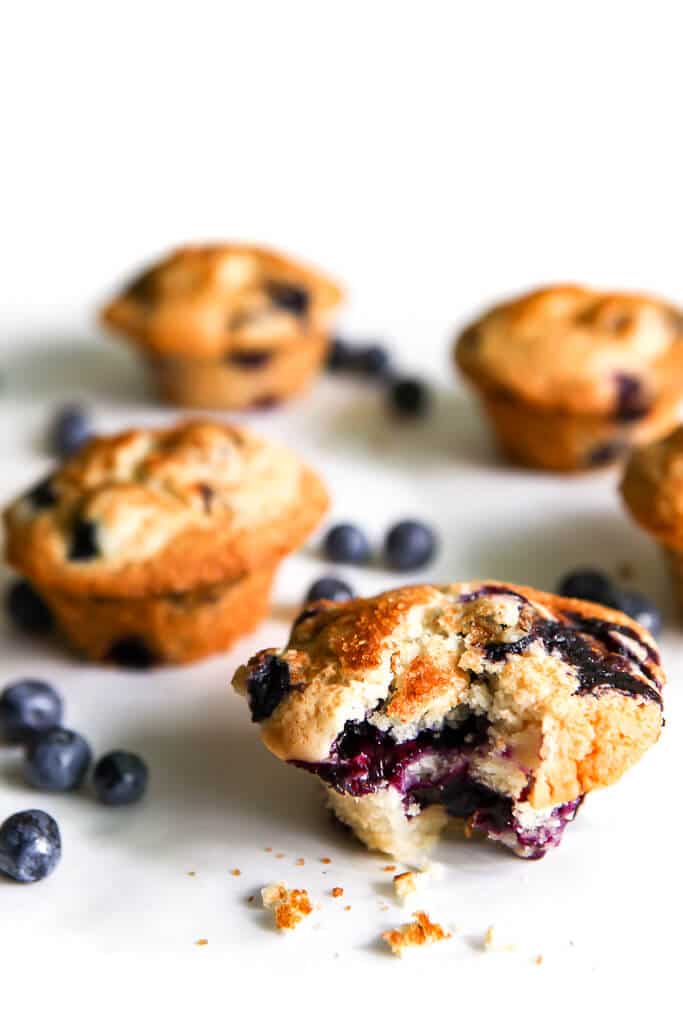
(161, 511)
(492, 703)
(240, 302)
(579, 350)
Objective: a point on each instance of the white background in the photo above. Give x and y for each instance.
(433, 156)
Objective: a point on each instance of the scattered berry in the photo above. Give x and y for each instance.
(69, 431)
(26, 608)
(29, 707)
(329, 589)
(371, 360)
(409, 397)
(642, 609)
(57, 760)
(120, 778)
(30, 846)
(346, 543)
(589, 585)
(340, 356)
(409, 545)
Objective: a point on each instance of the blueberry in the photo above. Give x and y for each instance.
(371, 360)
(131, 652)
(84, 545)
(340, 355)
(120, 778)
(28, 707)
(589, 585)
(409, 397)
(409, 545)
(267, 685)
(30, 846)
(289, 297)
(69, 431)
(26, 608)
(328, 588)
(57, 760)
(640, 608)
(346, 543)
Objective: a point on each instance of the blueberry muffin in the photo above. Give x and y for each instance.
(485, 702)
(161, 545)
(571, 378)
(227, 326)
(652, 489)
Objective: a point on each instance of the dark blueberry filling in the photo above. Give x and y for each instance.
(363, 759)
(290, 297)
(84, 541)
(632, 403)
(131, 652)
(267, 685)
(43, 494)
(249, 360)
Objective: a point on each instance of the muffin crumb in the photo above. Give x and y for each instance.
(492, 943)
(337, 891)
(420, 932)
(288, 906)
(202, 942)
(236, 872)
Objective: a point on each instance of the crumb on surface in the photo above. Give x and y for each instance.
(268, 849)
(288, 906)
(250, 899)
(236, 872)
(337, 891)
(192, 873)
(279, 856)
(420, 932)
(406, 885)
(202, 942)
(325, 860)
(538, 960)
(347, 908)
(300, 862)
(389, 867)
(492, 943)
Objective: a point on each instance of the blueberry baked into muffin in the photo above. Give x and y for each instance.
(572, 377)
(161, 545)
(652, 489)
(486, 702)
(228, 326)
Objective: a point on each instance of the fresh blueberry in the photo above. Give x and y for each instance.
(57, 760)
(26, 608)
(642, 609)
(328, 588)
(371, 360)
(267, 685)
(120, 778)
(409, 545)
(84, 545)
(28, 707)
(409, 397)
(30, 846)
(131, 652)
(69, 431)
(340, 355)
(346, 543)
(589, 585)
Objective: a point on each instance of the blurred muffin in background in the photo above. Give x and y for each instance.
(652, 489)
(156, 546)
(572, 377)
(226, 325)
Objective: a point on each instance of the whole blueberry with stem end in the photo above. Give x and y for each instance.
(26, 608)
(30, 846)
(120, 778)
(57, 760)
(329, 588)
(346, 543)
(589, 585)
(409, 545)
(28, 707)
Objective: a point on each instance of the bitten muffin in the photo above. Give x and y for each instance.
(227, 326)
(486, 702)
(652, 489)
(161, 545)
(571, 377)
